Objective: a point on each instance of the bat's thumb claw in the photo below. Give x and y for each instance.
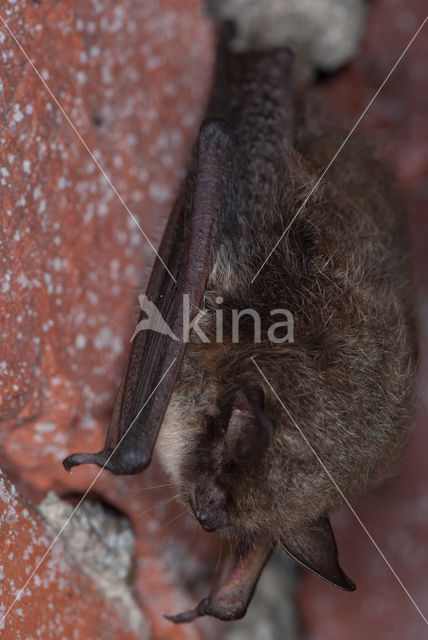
(80, 458)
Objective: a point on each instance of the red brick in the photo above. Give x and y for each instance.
(59, 602)
(133, 78)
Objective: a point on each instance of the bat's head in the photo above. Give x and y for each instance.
(231, 436)
(210, 436)
(238, 462)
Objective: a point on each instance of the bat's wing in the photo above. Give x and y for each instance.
(188, 250)
(231, 599)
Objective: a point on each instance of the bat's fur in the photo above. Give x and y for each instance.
(347, 380)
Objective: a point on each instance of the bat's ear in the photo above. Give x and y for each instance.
(314, 547)
(249, 430)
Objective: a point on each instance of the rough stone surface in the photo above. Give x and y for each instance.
(396, 514)
(326, 32)
(133, 77)
(59, 601)
(101, 543)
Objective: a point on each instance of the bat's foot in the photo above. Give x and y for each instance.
(207, 607)
(230, 600)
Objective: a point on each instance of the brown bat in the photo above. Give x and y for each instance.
(346, 374)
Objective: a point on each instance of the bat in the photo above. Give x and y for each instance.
(340, 367)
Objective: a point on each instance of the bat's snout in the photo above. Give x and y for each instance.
(208, 504)
(205, 522)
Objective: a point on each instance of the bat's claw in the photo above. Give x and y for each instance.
(186, 616)
(83, 458)
(221, 609)
(132, 462)
(202, 609)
